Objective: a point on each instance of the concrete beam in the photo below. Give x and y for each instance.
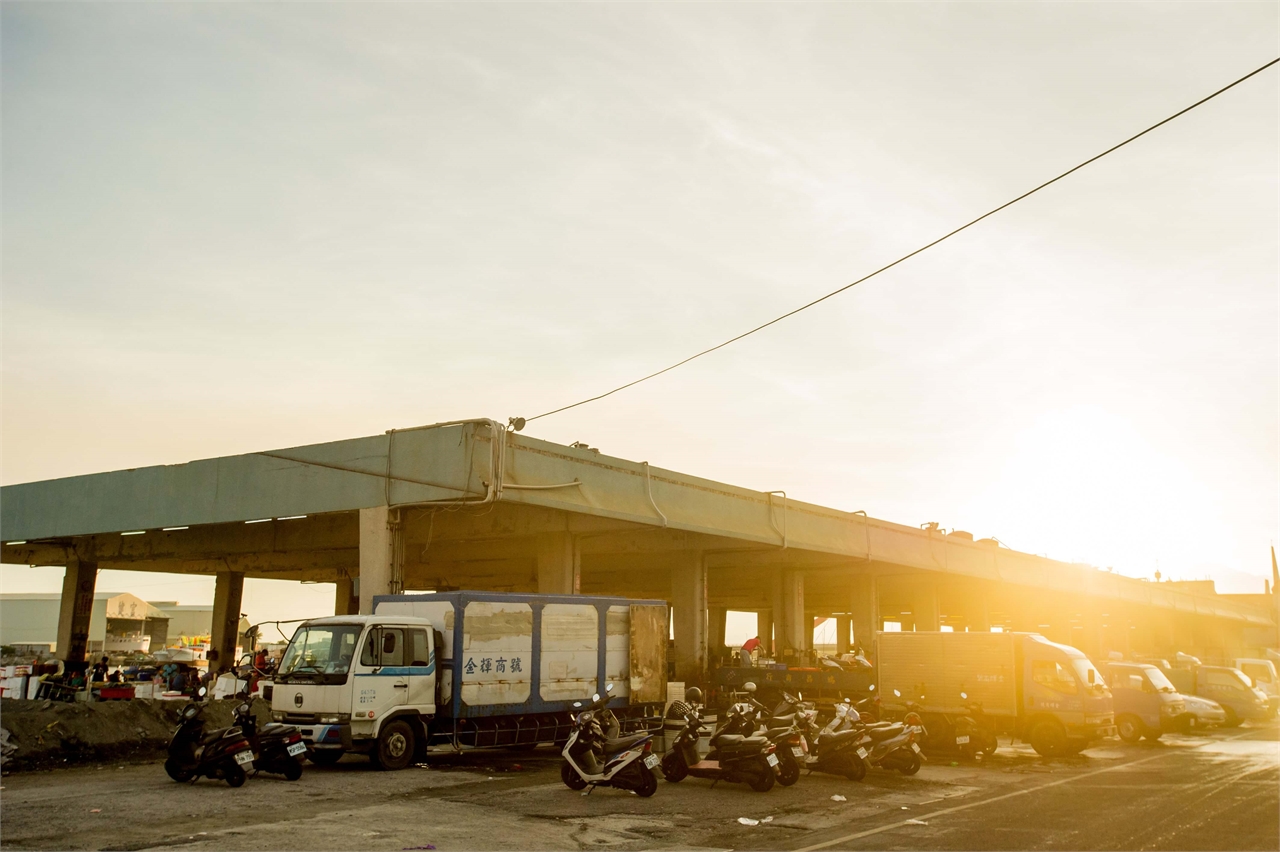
(228, 594)
(75, 610)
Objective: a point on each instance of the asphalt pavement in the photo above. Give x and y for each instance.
(1220, 791)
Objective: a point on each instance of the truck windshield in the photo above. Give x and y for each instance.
(1082, 667)
(1158, 680)
(320, 650)
(1260, 672)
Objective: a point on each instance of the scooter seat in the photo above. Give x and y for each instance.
(778, 732)
(886, 733)
(783, 721)
(739, 741)
(624, 743)
(839, 737)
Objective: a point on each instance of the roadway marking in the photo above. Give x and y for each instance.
(879, 830)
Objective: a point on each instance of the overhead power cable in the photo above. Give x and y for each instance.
(518, 422)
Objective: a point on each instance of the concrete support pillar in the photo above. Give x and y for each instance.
(842, 633)
(76, 609)
(376, 556)
(865, 606)
(924, 605)
(559, 564)
(978, 615)
(346, 601)
(689, 610)
(764, 629)
(228, 592)
(797, 629)
(717, 621)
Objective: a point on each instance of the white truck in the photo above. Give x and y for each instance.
(1263, 675)
(468, 669)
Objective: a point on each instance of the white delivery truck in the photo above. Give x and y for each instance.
(468, 669)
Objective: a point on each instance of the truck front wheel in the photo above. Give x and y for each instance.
(1048, 738)
(1129, 727)
(395, 747)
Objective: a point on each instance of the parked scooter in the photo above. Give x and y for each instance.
(896, 745)
(594, 759)
(972, 736)
(836, 748)
(276, 748)
(224, 753)
(733, 757)
(779, 726)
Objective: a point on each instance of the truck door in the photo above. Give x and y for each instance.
(422, 670)
(382, 678)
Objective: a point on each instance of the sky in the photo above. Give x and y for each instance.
(236, 227)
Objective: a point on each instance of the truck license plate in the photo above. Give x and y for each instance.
(915, 748)
(245, 756)
(772, 760)
(797, 751)
(962, 740)
(651, 761)
(296, 749)
(862, 753)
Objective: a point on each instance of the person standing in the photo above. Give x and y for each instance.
(745, 653)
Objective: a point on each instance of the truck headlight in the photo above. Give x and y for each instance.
(335, 718)
(277, 716)
(1172, 709)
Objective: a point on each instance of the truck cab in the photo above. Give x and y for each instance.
(1230, 687)
(1263, 675)
(1146, 703)
(360, 683)
(1066, 703)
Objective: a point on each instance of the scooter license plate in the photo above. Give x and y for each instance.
(772, 760)
(862, 753)
(915, 748)
(243, 757)
(962, 740)
(296, 749)
(651, 761)
(797, 751)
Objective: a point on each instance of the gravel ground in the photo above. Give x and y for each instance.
(1216, 792)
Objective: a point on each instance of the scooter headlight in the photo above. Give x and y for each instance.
(243, 710)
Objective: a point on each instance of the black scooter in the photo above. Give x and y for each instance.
(224, 753)
(733, 757)
(277, 748)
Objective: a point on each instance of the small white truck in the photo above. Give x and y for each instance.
(468, 669)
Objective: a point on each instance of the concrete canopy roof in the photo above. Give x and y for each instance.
(456, 464)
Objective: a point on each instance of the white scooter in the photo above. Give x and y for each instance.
(594, 759)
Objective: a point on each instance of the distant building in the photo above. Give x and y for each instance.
(121, 623)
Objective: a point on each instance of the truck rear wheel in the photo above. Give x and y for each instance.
(1233, 720)
(395, 747)
(1048, 738)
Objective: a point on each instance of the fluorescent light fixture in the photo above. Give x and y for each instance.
(134, 532)
(171, 529)
(291, 518)
(259, 521)
(15, 542)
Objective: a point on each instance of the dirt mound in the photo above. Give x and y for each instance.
(52, 734)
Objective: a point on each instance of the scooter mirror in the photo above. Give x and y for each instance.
(202, 692)
(897, 694)
(749, 687)
(608, 688)
(871, 688)
(577, 704)
(964, 695)
(595, 697)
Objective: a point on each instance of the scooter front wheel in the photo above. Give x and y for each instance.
(570, 777)
(673, 768)
(177, 771)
